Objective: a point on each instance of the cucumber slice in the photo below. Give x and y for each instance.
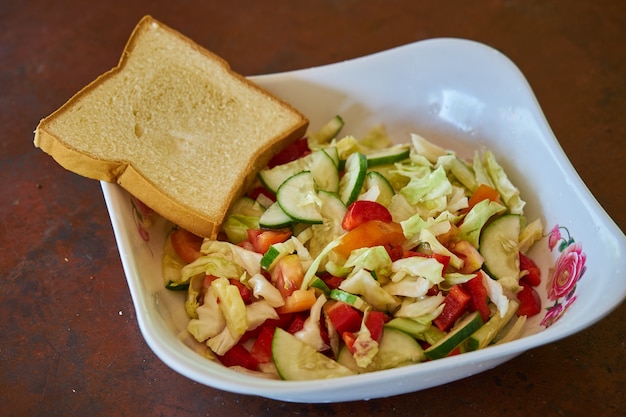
(272, 178)
(275, 252)
(333, 153)
(376, 179)
(388, 156)
(413, 328)
(275, 218)
(324, 170)
(499, 246)
(332, 207)
(348, 298)
(326, 133)
(297, 361)
(485, 335)
(353, 179)
(396, 349)
(298, 199)
(455, 337)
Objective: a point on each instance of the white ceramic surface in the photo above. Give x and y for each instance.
(463, 95)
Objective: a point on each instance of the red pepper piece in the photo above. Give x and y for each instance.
(456, 302)
(479, 299)
(261, 350)
(239, 356)
(530, 303)
(344, 317)
(362, 211)
(533, 276)
(296, 150)
(374, 322)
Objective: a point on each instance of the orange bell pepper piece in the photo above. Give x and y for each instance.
(369, 234)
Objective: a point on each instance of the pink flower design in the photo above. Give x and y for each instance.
(569, 268)
(554, 237)
(567, 271)
(144, 217)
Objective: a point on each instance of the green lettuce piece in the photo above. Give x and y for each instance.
(365, 347)
(427, 236)
(209, 322)
(427, 149)
(459, 170)
(311, 331)
(428, 188)
(476, 219)
(231, 304)
(372, 259)
(416, 307)
(418, 266)
(362, 283)
(212, 265)
(236, 227)
(509, 193)
(249, 260)
(531, 234)
(193, 291)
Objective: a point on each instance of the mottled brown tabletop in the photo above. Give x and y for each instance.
(70, 344)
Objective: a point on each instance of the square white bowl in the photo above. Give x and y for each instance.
(464, 96)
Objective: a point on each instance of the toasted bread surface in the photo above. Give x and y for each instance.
(174, 126)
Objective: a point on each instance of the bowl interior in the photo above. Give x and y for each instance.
(463, 96)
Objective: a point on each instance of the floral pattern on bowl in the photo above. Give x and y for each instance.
(565, 274)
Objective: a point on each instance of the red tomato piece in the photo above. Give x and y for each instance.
(186, 245)
(239, 356)
(479, 299)
(344, 317)
(362, 211)
(533, 276)
(530, 302)
(297, 323)
(244, 291)
(332, 281)
(296, 150)
(287, 275)
(375, 321)
(369, 234)
(261, 350)
(456, 302)
(261, 240)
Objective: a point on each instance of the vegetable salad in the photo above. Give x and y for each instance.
(356, 255)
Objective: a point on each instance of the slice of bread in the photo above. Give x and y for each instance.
(174, 126)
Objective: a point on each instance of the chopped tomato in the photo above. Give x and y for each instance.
(530, 303)
(262, 239)
(533, 273)
(479, 299)
(287, 275)
(186, 245)
(375, 321)
(239, 356)
(395, 252)
(369, 234)
(344, 317)
(297, 323)
(299, 300)
(261, 350)
(244, 291)
(483, 192)
(331, 281)
(296, 150)
(472, 259)
(456, 302)
(362, 211)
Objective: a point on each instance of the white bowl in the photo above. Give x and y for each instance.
(463, 95)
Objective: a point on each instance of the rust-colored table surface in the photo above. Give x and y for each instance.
(70, 344)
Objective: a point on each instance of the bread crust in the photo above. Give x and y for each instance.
(139, 184)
